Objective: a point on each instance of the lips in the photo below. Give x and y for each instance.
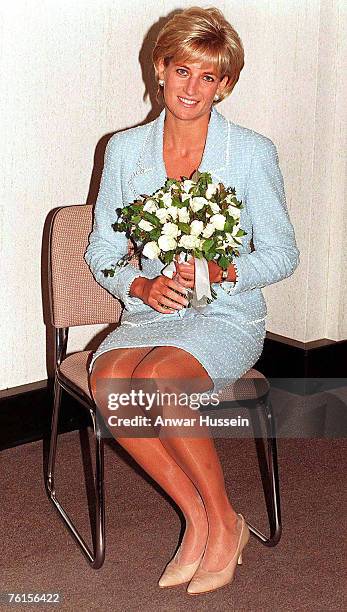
(187, 102)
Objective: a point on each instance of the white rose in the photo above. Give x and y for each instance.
(198, 203)
(151, 250)
(173, 211)
(146, 225)
(196, 227)
(214, 207)
(170, 229)
(162, 214)
(218, 221)
(211, 190)
(167, 199)
(185, 197)
(234, 212)
(167, 243)
(187, 185)
(183, 215)
(189, 242)
(150, 206)
(209, 230)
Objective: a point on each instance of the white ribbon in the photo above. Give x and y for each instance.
(202, 288)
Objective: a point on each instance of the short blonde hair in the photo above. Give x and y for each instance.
(204, 35)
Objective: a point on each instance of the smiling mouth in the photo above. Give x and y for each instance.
(187, 102)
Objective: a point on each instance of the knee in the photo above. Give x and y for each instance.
(107, 377)
(149, 370)
(155, 377)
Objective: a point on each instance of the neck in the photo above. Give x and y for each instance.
(184, 136)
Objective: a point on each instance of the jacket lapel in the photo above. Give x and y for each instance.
(150, 172)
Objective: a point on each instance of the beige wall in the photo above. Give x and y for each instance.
(70, 74)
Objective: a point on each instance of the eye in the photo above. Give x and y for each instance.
(207, 77)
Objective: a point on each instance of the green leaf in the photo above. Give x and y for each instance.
(151, 218)
(155, 234)
(184, 227)
(168, 257)
(207, 244)
(228, 226)
(176, 201)
(223, 262)
(209, 256)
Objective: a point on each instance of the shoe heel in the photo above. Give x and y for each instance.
(239, 561)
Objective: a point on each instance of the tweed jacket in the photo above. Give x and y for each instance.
(234, 155)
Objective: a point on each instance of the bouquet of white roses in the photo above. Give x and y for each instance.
(192, 218)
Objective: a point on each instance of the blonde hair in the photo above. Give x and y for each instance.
(202, 35)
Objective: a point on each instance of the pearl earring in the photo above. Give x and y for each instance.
(216, 98)
(161, 82)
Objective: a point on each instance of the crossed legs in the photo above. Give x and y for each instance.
(188, 469)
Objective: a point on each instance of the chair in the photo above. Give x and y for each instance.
(89, 303)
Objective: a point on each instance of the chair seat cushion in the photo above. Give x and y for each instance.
(250, 386)
(74, 369)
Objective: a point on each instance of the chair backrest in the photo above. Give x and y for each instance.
(75, 297)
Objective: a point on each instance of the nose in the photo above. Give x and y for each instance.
(192, 85)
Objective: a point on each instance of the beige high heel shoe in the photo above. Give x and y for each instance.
(175, 574)
(204, 581)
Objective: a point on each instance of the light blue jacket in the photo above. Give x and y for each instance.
(236, 156)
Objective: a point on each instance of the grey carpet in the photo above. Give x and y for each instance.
(305, 571)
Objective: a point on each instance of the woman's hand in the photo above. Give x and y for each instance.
(186, 272)
(160, 294)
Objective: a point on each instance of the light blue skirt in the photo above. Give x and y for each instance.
(226, 347)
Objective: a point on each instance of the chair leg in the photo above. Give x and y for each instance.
(268, 466)
(97, 557)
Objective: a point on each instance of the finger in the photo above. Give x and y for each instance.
(174, 303)
(158, 306)
(186, 275)
(185, 269)
(176, 283)
(159, 303)
(187, 283)
(175, 295)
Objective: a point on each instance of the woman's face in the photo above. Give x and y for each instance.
(189, 88)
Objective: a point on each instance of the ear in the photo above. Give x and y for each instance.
(223, 83)
(161, 69)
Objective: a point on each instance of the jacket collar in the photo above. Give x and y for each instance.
(150, 173)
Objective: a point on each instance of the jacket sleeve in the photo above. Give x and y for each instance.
(106, 246)
(276, 255)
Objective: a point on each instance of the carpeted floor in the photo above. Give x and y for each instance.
(304, 572)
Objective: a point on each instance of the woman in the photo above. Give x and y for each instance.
(197, 59)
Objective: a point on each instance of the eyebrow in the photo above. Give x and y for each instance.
(205, 71)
